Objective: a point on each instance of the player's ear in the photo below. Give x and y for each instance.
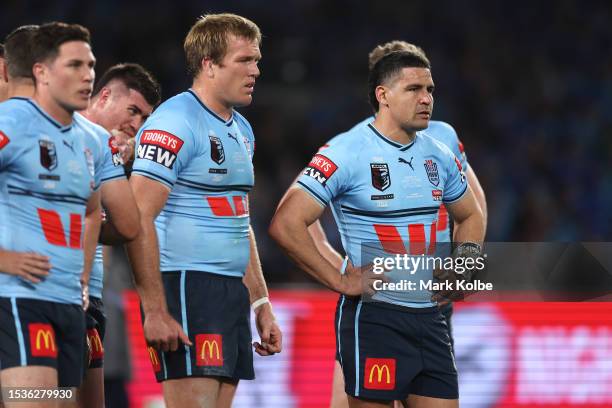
(381, 95)
(40, 72)
(104, 96)
(207, 67)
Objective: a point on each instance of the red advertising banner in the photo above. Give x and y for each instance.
(507, 354)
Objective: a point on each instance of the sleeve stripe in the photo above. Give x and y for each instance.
(458, 197)
(313, 193)
(117, 176)
(153, 176)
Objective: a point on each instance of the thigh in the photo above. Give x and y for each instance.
(193, 392)
(227, 390)
(28, 377)
(419, 401)
(338, 397)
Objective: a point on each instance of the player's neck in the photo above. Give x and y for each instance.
(213, 103)
(53, 108)
(392, 130)
(18, 88)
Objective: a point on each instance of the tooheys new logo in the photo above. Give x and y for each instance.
(320, 168)
(159, 146)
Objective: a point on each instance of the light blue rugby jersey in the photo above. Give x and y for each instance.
(47, 174)
(385, 197)
(207, 163)
(446, 134)
(111, 168)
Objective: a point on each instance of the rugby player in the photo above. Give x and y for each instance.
(50, 170)
(191, 177)
(442, 132)
(378, 343)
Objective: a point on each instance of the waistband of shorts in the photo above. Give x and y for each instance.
(405, 309)
(210, 275)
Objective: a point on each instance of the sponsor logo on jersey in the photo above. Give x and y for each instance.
(436, 195)
(381, 178)
(233, 137)
(209, 350)
(115, 153)
(382, 197)
(217, 153)
(217, 171)
(42, 340)
(90, 162)
(159, 146)
(458, 163)
(4, 140)
(402, 160)
(69, 145)
(48, 154)
(431, 168)
(379, 374)
(320, 168)
(247, 144)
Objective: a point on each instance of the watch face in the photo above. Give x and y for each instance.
(468, 249)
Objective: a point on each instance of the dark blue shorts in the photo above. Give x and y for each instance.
(214, 311)
(42, 333)
(96, 328)
(388, 352)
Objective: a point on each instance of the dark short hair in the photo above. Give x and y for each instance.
(135, 77)
(1, 50)
(18, 51)
(50, 36)
(388, 67)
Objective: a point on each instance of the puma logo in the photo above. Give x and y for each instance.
(402, 160)
(233, 137)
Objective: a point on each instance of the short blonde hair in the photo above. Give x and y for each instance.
(381, 50)
(209, 37)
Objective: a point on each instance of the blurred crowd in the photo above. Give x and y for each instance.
(527, 85)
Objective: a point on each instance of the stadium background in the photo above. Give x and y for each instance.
(528, 86)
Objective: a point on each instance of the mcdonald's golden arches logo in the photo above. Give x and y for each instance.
(209, 350)
(154, 359)
(97, 350)
(379, 374)
(42, 340)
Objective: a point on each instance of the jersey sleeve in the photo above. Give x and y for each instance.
(456, 184)
(112, 164)
(327, 175)
(165, 145)
(456, 146)
(9, 149)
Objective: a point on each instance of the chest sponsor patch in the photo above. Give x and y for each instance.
(160, 147)
(115, 153)
(381, 177)
(4, 140)
(320, 168)
(436, 195)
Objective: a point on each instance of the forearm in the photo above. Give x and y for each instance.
(323, 246)
(93, 222)
(479, 194)
(293, 236)
(253, 278)
(471, 229)
(143, 253)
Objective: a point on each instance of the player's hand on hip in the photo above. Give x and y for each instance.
(269, 332)
(163, 332)
(351, 281)
(28, 265)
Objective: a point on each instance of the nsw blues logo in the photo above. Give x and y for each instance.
(381, 178)
(48, 154)
(217, 154)
(431, 167)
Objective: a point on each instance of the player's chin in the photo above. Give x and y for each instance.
(244, 100)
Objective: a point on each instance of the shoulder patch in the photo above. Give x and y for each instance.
(320, 168)
(159, 146)
(4, 140)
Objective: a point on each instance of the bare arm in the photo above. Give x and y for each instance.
(93, 220)
(271, 337)
(161, 330)
(479, 193)
(123, 217)
(468, 218)
(289, 228)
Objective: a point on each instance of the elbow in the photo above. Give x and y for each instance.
(278, 230)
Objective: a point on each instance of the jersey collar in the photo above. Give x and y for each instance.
(38, 109)
(227, 123)
(399, 146)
